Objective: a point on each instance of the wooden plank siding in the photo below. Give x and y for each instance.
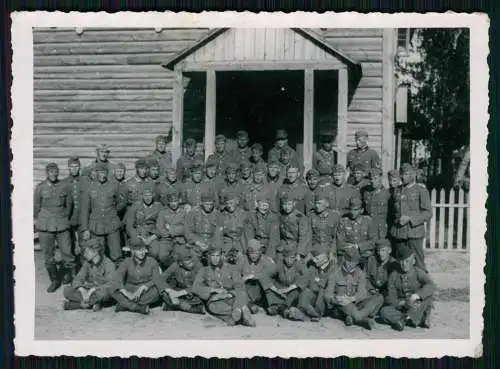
(103, 86)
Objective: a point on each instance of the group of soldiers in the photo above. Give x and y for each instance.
(236, 234)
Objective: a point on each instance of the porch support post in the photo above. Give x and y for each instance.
(342, 116)
(178, 115)
(210, 113)
(308, 118)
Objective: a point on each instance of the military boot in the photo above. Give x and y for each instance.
(247, 318)
(55, 281)
(71, 305)
(68, 275)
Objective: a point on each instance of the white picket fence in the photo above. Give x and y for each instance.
(449, 228)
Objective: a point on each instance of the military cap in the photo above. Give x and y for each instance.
(254, 245)
(120, 165)
(207, 196)
(361, 133)
(358, 167)
(338, 168)
(137, 245)
(190, 142)
(141, 163)
(242, 134)
(183, 253)
(245, 164)
(231, 167)
(172, 195)
(393, 173)
(51, 166)
(229, 196)
(73, 160)
(404, 253)
(289, 250)
(293, 164)
(153, 163)
(281, 134)
(161, 138)
(103, 147)
(355, 203)
(147, 190)
(263, 196)
(326, 137)
(101, 167)
(384, 242)
(375, 172)
(91, 243)
(220, 138)
(260, 168)
(212, 249)
(324, 169)
(351, 254)
(406, 168)
(273, 162)
(286, 196)
(211, 162)
(170, 168)
(320, 195)
(257, 146)
(312, 173)
(197, 166)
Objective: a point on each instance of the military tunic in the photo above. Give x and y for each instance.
(295, 230)
(184, 164)
(262, 270)
(365, 156)
(233, 227)
(134, 188)
(191, 192)
(163, 158)
(297, 190)
(284, 277)
(76, 186)
(235, 188)
(339, 197)
(276, 152)
(323, 158)
(242, 155)
(171, 227)
(141, 221)
(89, 170)
(272, 187)
(313, 295)
(324, 232)
(250, 195)
(357, 231)
(164, 188)
(203, 227)
(265, 228)
(378, 274)
(376, 204)
(221, 158)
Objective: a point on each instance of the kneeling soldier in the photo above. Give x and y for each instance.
(133, 285)
(289, 281)
(409, 294)
(346, 294)
(256, 270)
(90, 287)
(176, 284)
(220, 286)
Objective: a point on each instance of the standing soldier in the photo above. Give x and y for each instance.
(263, 225)
(220, 287)
(376, 203)
(167, 185)
(380, 267)
(154, 171)
(52, 206)
(101, 203)
(347, 295)
(312, 180)
(119, 178)
(326, 156)
(257, 152)
(257, 186)
(295, 187)
(358, 178)
(295, 230)
(362, 154)
(176, 284)
(242, 151)
(171, 226)
(412, 208)
(120, 173)
(410, 293)
(274, 182)
(185, 162)
(233, 227)
(245, 173)
(395, 187)
(341, 192)
(102, 155)
(90, 287)
(356, 231)
(220, 156)
(286, 160)
(231, 184)
(135, 186)
(133, 286)
(192, 188)
(161, 154)
(281, 145)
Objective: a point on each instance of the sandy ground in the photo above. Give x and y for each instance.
(449, 269)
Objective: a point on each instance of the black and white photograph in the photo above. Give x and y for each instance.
(307, 185)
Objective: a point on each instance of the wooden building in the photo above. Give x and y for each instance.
(125, 86)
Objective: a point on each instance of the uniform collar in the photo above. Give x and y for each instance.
(363, 149)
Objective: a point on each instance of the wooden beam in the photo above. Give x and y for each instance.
(178, 115)
(308, 118)
(210, 102)
(388, 99)
(342, 101)
(246, 65)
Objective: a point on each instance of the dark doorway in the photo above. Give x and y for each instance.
(260, 103)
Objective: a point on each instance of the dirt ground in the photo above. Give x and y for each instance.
(449, 269)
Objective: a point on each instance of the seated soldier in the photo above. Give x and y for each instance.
(140, 221)
(290, 279)
(256, 271)
(90, 287)
(410, 293)
(242, 152)
(176, 284)
(281, 145)
(263, 225)
(287, 162)
(312, 180)
(312, 298)
(233, 227)
(257, 186)
(221, 288)
(295, 229)
(346, 294)
(171, 227)
(380, 267)
(133, 285)
(355, 230)
(170, 182)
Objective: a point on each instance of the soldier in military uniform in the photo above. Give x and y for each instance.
(358, 178)
(167, 185)
(295, 229)
(171, 227)
(120, 173)
(412, 208)
(263, 225)
(193, 187)
(295, 187)
(231, 184)
(326, 156)
(274, 182)
(356, 231)
(100, 205)
(380, 267)
(257, 153)
(286, 160)
(289, 280)
(135, 186)
(221, 288)
(242, 152)
(220, 156)
(161, 154)
(410, 293)
(204, 226)
(52, 207)
(256, 271)
(176, 284)
(245, 174)
(133, 286)
(185, 162)
(281, 145)
(362, 154)
(395, 187)
(376, 203)
(340, 192)
(233, 227)
(257, 186)
(102, 155)
(154, 171)
(347, 296)
(312, 180)
(90, 287)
